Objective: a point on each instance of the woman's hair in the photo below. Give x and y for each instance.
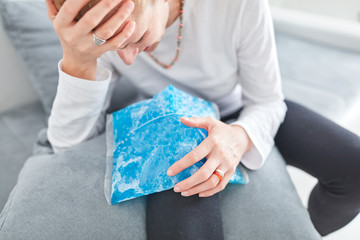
(139, 7)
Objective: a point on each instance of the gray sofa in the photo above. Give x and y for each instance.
(267, 208)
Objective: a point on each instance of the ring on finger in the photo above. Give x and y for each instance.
(220, 174)
(209, 184)
(98, 41)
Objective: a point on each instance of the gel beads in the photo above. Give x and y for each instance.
(148, 137)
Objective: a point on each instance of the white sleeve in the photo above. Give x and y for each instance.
(264, 106)
(79, 109)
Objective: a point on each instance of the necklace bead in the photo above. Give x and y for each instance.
(179, 37)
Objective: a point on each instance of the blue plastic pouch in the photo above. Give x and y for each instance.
(146, 138)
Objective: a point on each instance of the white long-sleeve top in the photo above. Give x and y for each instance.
(228, 56)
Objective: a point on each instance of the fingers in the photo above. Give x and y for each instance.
(211, 183)
(69, 10)
(51, 9)
(116, 23)
(221, 186)
(101, 12)
(199, 122)
(200, 176)
(117, 41)
(201, 151)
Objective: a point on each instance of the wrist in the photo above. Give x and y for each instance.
(242, 132)
(85, 71)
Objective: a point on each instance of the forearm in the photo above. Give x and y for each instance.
(77, 109)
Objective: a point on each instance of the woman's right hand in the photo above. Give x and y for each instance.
(79, 50)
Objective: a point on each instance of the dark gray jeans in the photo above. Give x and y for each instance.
(306, 140)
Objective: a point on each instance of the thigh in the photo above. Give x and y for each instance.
(169, 215)
(268, 207)
(318, 146)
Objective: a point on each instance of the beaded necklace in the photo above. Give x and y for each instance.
(168, 66)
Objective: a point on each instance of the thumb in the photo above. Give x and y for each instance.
(198, 122)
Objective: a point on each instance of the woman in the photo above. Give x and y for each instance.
(222, 51)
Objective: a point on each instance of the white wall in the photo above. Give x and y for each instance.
(320, 28)
(15, 87)
(345, 9)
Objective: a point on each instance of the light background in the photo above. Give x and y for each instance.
(344, 10)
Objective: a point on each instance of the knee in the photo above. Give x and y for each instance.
(344, 185)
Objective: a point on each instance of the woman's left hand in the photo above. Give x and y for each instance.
(223, 148)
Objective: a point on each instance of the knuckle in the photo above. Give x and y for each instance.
(214, 182)
(204, 174)
(185, 185)
(216, 141)
(207, 147)
(193, 158)
(106, 33)
(67, 9)
(222, 152)
(180, 165)
(126, 34)
(122, 17)
(116, 45)
(89, 20)
(109, 4)
(208, 172)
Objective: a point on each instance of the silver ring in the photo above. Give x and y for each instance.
(98, 41)
(220, 172)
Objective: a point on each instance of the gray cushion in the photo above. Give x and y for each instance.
(18, 131)
(61, 196)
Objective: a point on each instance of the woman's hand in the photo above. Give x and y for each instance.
(223, 149)
(76, 36)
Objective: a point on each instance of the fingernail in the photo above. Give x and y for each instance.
(201, 195)
(177, 189)
(170, 172)
(184, 193)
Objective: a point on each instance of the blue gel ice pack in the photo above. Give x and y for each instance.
(146, 138)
